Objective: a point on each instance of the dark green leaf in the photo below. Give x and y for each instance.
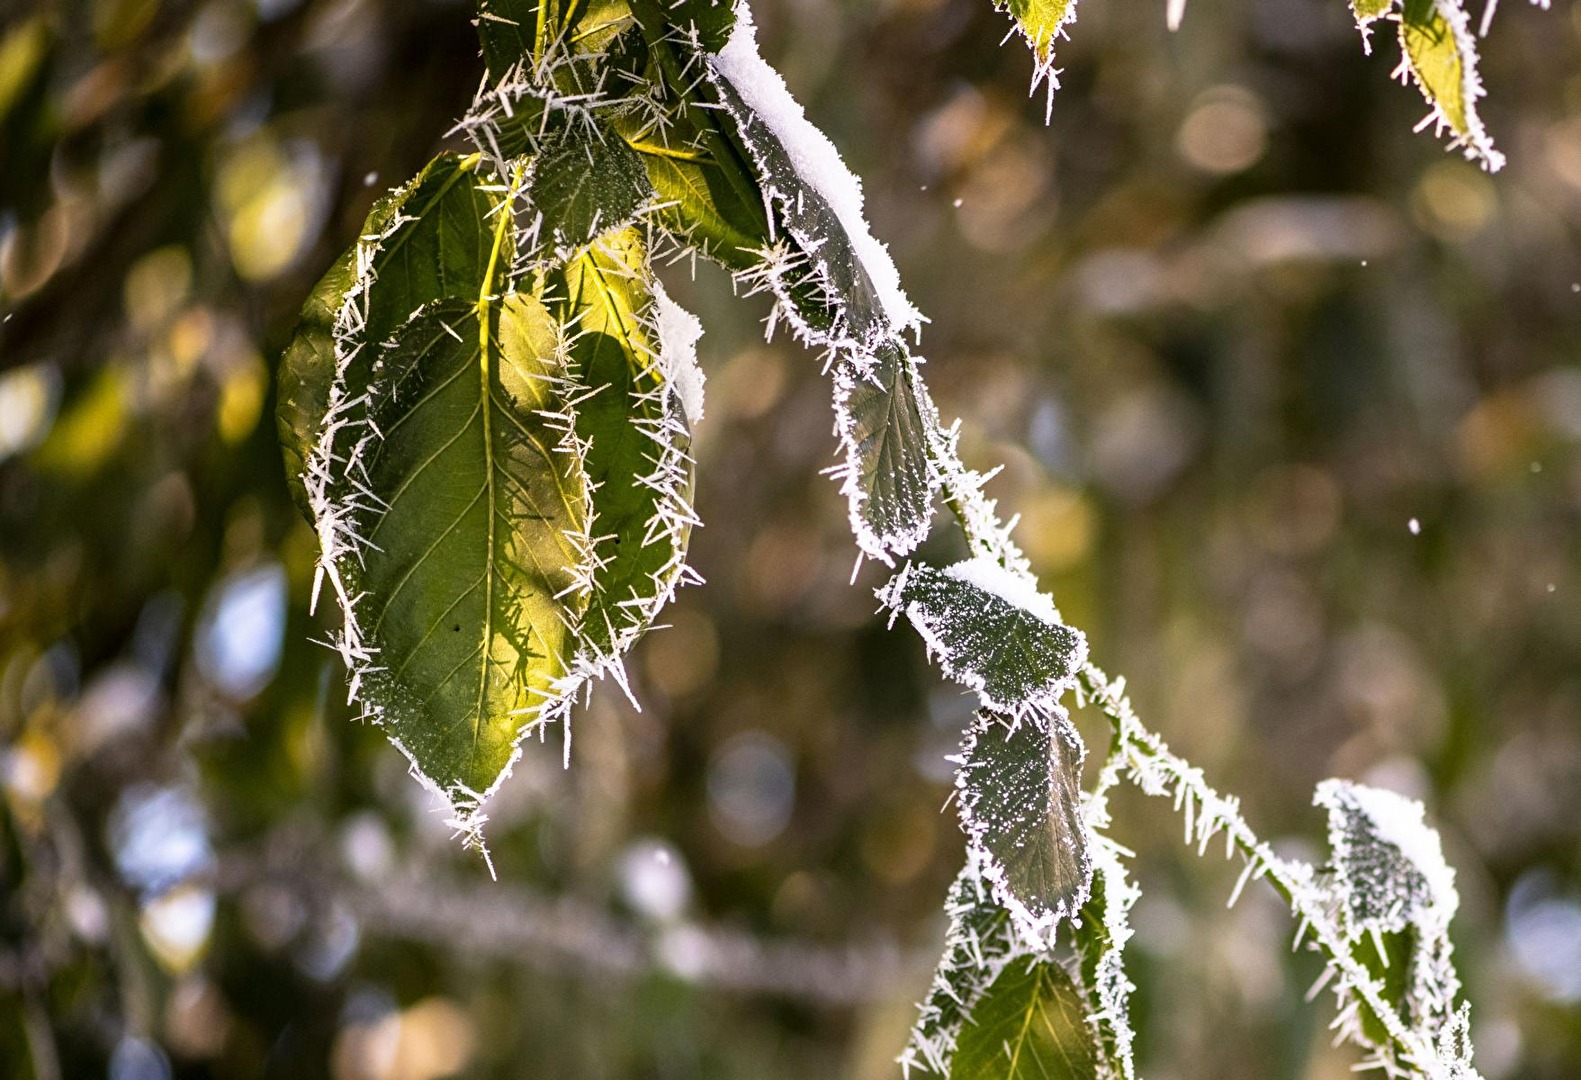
(587, 183)
(1011, 656)
(837, 281)
(889, 479)
(1030, 1025)
(1020, 801)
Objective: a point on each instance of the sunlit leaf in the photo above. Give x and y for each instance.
(1028, 1026)
(1040, 21)
(470, 548)
(695, 197)
(1441, 53)
(425, 241)
(636, 434)
(1368, 10)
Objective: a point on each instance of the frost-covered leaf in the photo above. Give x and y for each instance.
(1030, 1025)
(1019, 787)
(458, 597)
(307, 368)
(1041, 23)
(695, 195)
(587, 182)
(991, 630)
(815, 198)
(436, 242)
(979, 943)
(1441, 54)
(425, 240)
(1100, 938)
(1396, 895)
(889, 482)
(631, 414)
(1388, 864)
(1367, 11)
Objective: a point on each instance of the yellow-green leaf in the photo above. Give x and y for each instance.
(1441, 53)
(460, 590)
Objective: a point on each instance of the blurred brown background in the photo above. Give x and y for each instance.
(1291, 411)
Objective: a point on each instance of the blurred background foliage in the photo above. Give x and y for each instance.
(1290, 405)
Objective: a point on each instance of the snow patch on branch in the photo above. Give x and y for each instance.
(817, 161)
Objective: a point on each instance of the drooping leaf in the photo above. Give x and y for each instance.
(1009, 648)
(1436, 39)
(427, 240)
(461, 593)
(637, 439)
(889, 482)
(587, 182)
(1020, 805)
(1030, 1025)
(1040, 22)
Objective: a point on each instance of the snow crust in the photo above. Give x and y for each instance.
(1400, 822)
(678, 331)
(817, 161)
(1015, 588)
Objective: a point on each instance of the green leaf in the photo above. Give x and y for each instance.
(1020, 803)
(427, 240)
(712, 19)
(1012, 656)
(508, 31)
(980, 940)
(1039, 22)
(1367, 11)
(1028, 1026)
(466, 571)
(435, 242)
(888, 479)
(636, 435)
(587, 182)
(307, 368)
(695, 197)
(1435, 37)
